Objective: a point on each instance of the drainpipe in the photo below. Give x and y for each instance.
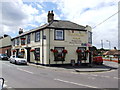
(42, 47)
(49, 47)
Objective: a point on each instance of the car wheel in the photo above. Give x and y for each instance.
(15, 62)
(101, 63)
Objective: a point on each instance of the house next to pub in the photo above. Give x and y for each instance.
(5, 45)
(56, 42)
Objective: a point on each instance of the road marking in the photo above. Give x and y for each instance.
(106, 76)
(25, 70)
(7, 65)
(116, 78)
(75, 83)
(91, 78)
(94, 75)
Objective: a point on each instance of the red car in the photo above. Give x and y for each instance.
(98, 60)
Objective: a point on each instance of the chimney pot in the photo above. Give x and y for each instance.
(50, 16)
(20, 31)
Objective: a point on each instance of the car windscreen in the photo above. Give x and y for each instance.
(3, 55)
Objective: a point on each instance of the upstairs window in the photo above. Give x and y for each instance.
(14, 42)
(23, 40)
(59, 35)
(90, 37)
(28, 39)
(37, 36)
(17, 41)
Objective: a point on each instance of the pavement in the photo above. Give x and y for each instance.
(82, 68)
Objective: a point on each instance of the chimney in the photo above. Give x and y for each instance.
(50, 16)
(20, 31)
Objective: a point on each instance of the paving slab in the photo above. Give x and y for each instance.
(94, 68)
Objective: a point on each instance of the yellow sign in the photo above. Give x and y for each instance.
(76, 37)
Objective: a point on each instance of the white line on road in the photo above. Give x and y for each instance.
(7, 65)
(116, 78)
(94, 75)
(75, 83)
(106, 76)
(91, 78)
(25, 70)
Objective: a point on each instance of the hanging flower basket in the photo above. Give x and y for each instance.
(87, 51)
(64, 51)
(14, 50)
(32, 50)
(78, 51)
(54, 50)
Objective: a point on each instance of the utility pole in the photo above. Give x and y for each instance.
(102, 44)
(109, 44)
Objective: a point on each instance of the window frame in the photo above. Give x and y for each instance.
(23, 42)
(17, 41)
(36, 53)
(55, 35)
(28, 38)
(89, 37)
(56, 58)
(36, 37)
(14, 42)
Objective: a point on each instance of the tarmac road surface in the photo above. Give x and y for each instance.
(22, 76)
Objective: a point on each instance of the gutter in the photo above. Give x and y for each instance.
(42, 47)
(49, 47)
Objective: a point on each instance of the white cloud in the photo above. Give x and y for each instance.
(85, 12)
(15, 15)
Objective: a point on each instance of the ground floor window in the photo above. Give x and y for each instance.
(82, 55)
(59, 56)
(37, 54)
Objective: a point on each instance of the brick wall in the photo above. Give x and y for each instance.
(6, 50)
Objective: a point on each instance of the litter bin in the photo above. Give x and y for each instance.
(73, 62)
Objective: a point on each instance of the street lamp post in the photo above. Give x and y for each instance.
(102, 44)
(109, 44)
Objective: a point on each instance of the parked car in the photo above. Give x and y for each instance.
(98, 60)
(17, 60)
(3, 57)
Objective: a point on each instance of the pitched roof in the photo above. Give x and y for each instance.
(112, 52)
(56, 24)
(62, 24)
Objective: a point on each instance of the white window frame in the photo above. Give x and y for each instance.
(59, 37)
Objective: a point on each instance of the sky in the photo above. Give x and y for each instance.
(29, 14)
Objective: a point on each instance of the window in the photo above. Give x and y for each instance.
(59, 34)
(23, 40)
(37, 54)
(59, 55)
(90, 37)
(28, 38)
(17, 41)
(14, 42)
(83, 54)
(37, 36)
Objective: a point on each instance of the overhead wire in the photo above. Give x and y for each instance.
(106, 19)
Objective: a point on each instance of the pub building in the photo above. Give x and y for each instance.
(56, 42)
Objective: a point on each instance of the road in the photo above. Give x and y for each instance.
(22, 76)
